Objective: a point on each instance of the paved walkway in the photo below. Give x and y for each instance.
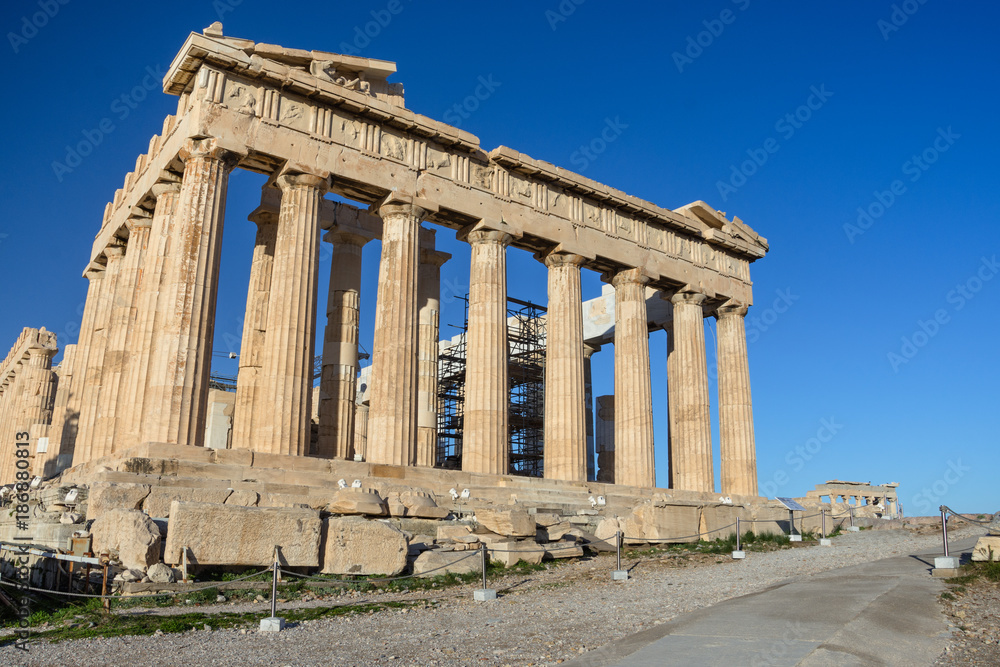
(880, 613)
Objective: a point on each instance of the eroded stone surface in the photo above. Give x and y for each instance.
(353, 545)
(218, 534)
(129, 534)
(437, 562)
(512, 523)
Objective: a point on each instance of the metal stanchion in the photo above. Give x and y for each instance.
(852, 528)
(484, 594)
(947, 565)
(273, 623)
(739, 554)
(944, 530)
(824, 541)
(619, 574)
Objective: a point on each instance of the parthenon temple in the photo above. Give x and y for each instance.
(318, 123)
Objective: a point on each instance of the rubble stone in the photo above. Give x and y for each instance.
(218, 534)
(129, 534)
(353, 545)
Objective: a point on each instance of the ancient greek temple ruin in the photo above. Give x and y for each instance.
(320, 123)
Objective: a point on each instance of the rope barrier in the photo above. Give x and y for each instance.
(132, 597)
(965, 518)
(348, 582)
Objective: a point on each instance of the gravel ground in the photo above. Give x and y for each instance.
(975, 619)
(542, 618)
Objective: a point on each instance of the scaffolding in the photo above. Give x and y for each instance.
(526, 377)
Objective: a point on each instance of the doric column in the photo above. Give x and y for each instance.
(736, 441)
(40, 394)
(74, 401)
(392, 421)
(604, 436)
(119, 351)
(128, 428)
(249, 403)
(98, 346)
(428, 314)
(287, 371)
(65, 370)
(634, 464)
(687, 374)
(338, 386)
(565, 388)
(487, 395)
(180, 363)
(588, 392)
(361, 431)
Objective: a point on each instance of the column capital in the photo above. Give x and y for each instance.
(343, 237)
(134, 222)
(93, 274)
(559, 258)
(396, 203)
(686, 296)
(42, 351)
(488, 236)
(731, 309)
(589, 350)
(208, 149)
(161, 188)
(626, 277)
(433, 257)
(263, 216)
(302, 180)
(114, 252)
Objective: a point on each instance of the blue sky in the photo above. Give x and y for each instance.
(858, 137)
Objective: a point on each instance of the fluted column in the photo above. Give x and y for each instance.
(604, 436)
(249, 403)
(588, 391)
(392, 419)
(13, 404)
(287, 373)
(338, 386)
(687, 374)
(60, 407)
(74, 401)
(634, 464)
(180, 363)
(428, 314)
(98, 346)
(119, 351)
(565, 389)
(361, 431)
(40, 394)
(487, 394)
(736, 440)
(128, 427)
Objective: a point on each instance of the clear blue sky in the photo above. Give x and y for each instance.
(902, 126)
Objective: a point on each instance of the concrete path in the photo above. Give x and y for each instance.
(880, 613)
